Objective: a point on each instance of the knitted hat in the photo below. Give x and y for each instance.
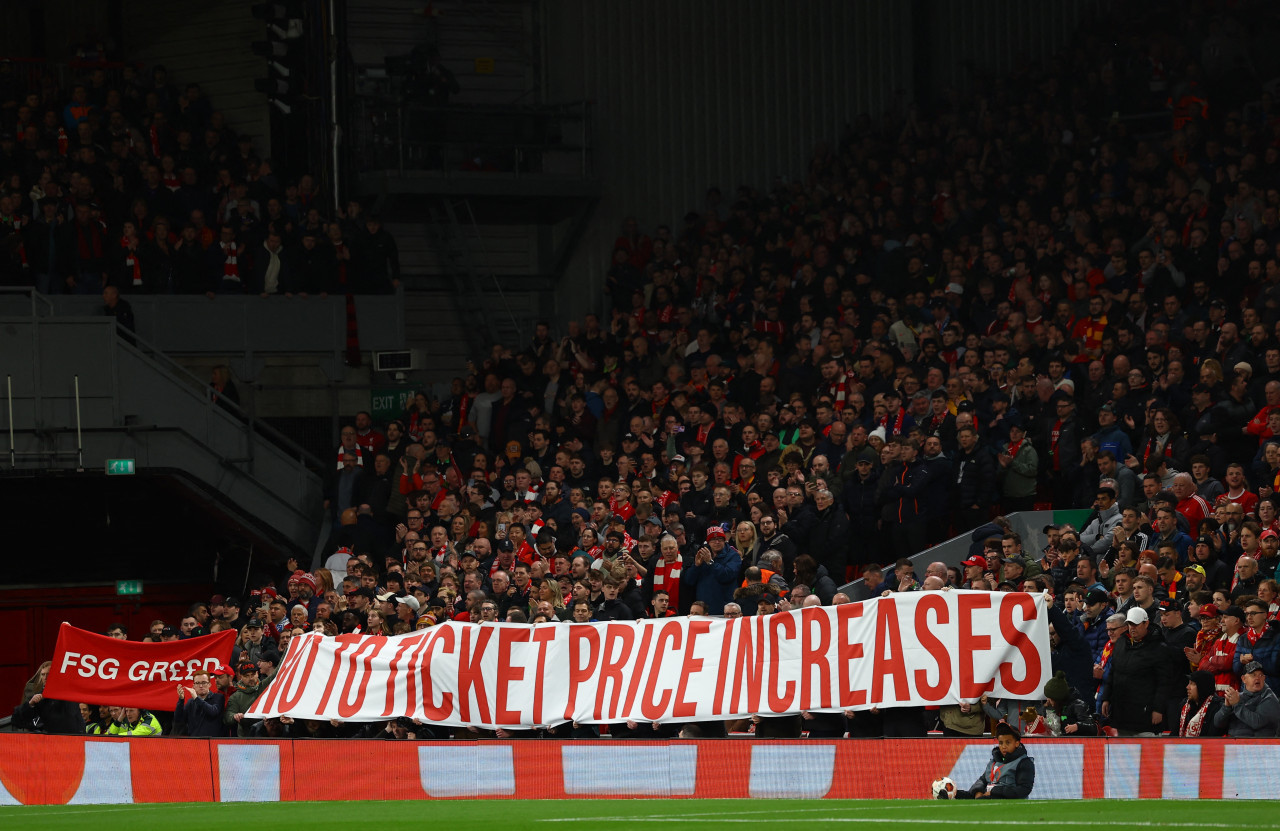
(1057, 689)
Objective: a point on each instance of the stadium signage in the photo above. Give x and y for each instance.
(100, 670)
(911, 649)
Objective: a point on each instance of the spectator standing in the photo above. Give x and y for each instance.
(1141, 677)
(199, 707)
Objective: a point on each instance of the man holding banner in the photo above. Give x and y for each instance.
(909, 650)
(97, 669)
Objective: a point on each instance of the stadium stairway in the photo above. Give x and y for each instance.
(81, 393)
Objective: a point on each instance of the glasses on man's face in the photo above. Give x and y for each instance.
(1114, 629)
(1255, 614)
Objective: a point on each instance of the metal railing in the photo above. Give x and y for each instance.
(1028, 524)
(253, 427)
(31, 72)
(392, 134)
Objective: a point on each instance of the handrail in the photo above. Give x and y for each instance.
(35, 295)
(150, 352)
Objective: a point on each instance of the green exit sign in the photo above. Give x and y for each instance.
(120, 467)
(126, 587)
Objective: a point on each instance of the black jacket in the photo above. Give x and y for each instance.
(828, 540)
(974, 479)
(50, 715)
(44, 248)
(1141, 682)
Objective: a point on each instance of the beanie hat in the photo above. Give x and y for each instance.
(1057, 688)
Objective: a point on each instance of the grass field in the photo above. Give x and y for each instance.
(649, 813)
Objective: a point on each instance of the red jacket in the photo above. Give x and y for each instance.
(1218, 661)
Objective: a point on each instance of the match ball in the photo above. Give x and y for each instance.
(944, 788)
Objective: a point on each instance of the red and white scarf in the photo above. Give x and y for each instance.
(1190, 728)
(231, 265)
(896, 430)
(666, 576)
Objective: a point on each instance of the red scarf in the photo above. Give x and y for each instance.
(131, 261)
(1151, 445)
(1190, 728)
(1014, 448)
(90, 246)
(231, 265)
(897, 423)
(1054, 435)
(666, 576)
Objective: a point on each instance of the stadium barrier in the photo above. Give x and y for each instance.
(58, 770)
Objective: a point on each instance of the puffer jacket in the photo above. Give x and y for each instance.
(1141, 682)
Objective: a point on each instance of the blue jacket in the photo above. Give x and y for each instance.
(203, 717)
(1116, 440)
(714, 583)
(1095, 634)
(1074, 655)
(1266, 652)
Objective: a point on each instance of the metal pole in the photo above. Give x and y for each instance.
(333, 102)
(79, 435)
(12, 453)
(247, 567)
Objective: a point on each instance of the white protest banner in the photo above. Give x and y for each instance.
(910, 649)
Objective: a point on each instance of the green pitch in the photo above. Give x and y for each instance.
(651, 813)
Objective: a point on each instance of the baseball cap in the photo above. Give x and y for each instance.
(1197, 569)
(248, 666)
(1233, 611)
(253, 623)
(1208, 610)
(385, 596)
(1268, 534)
(1096, 596)
(222, 670)
(716, 532)
(1136, 617)
(975, 560)
(1252, 666)
(410, 601)
(1167, 605)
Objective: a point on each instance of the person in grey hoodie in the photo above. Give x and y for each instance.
(1096, 536)
(1253, 712)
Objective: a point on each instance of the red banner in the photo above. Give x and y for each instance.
(95, 669)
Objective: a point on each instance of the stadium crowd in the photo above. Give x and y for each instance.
(120, 180)
(1003, 302)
